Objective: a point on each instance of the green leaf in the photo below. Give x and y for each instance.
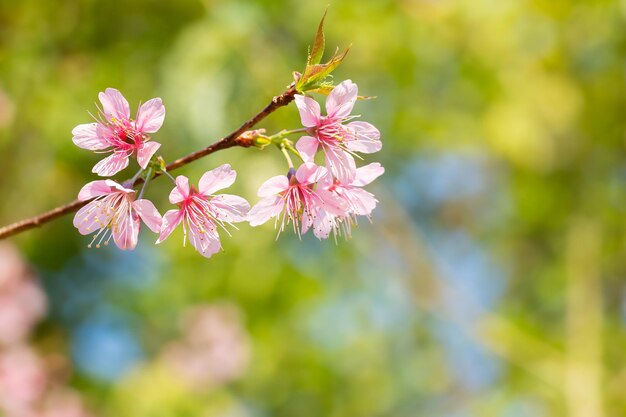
(314, 75)
(317, 51)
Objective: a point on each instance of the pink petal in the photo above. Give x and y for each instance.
(216, 179)
(230, 208)
(265, 209)
(117, 187)
(322, 225)
(341, 164)
(204, 242)
(362, 202)
(366, 138)
(94, 189)
(171, 219)
(111, 165)
(368, 173)
(273, 186)
(145, 153)
(181, 191)
(114, 105)
(309, 109)
(86, 137)
(94, 216)
(307, 146)
(309, 173)
(126, 231)
(150, 116)
(340, 101)
(149, 214)
(333, 204)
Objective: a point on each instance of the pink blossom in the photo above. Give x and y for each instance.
(355, 199)
(23, 379)
(116, 132)
(63, 402)
(201, 212)
(337, 138)
(22, 302)
(215, 347)
(114, 212)
(292, 198)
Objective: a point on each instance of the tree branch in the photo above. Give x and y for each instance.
(232, 139)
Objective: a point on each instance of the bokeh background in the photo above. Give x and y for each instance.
(492, 281)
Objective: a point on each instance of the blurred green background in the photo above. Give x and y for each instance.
(492, 281)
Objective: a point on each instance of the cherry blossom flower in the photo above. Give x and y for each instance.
(337, 138)
(215, 347)
(201, 212)
(292, 198)
(63, 402)
(116, 132)
(357, 201)
(114, 213)
(22, 302)
(23, 380)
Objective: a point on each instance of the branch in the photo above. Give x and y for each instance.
(232, 139)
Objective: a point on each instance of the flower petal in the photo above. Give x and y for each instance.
(216, 179)
(273, 186)
(205, 242)
(309, 109)
(368, 173)
(86, 137)
(309, 173)
(230, 208)
(333, 204)
(111, 165)
(150, 116)
(170, 220)
(149, 214)
(340, 101)
(265, 209)
(323, 224)
(126, 230)
(307, 146)
(366, 138)
(145, 153)
(94, 216)
(340, 164)
(362, 202)
(94, 189)
(114, 105)
(181, 191)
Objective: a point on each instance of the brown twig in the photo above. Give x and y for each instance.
(228, 141)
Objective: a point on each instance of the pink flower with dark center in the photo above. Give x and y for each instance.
(337, 138)
(114, 212)
(357, 201)
(292, 198)
(116, 132)
(201, 212)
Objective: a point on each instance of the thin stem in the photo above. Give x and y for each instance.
(134, 178)
(168, 175)
(283, 149)
(226, 142)
(292, 131)
(145, 184)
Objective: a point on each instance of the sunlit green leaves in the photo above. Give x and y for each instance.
(315, 74)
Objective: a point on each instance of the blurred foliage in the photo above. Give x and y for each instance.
(492, 281)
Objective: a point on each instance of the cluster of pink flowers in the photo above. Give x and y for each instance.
(327, 198)
(115, 211)
(27, 387)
